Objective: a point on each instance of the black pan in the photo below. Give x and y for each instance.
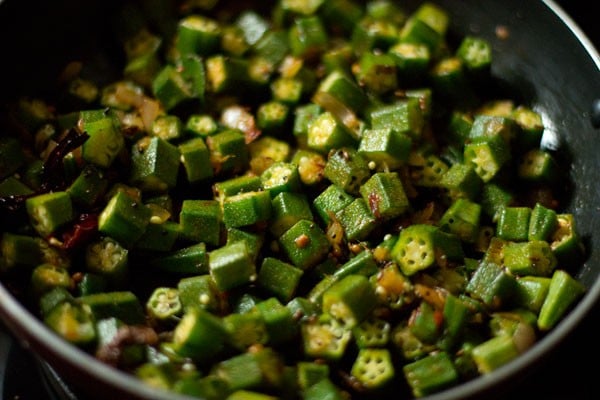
(546, 62)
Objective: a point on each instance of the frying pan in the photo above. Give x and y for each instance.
(545, 62)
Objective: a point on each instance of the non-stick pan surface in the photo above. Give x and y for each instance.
(545, 61)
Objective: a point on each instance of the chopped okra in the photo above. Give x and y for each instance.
(307, 201)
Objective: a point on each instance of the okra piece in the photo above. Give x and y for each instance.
(532, 291)
(538, 166)
(231, 266)
(229, 152)
(53, 298)
(362, 264)
(409, 346)
(307, 37)
(348, 169)
(462, 218)
(12, 186)
(49, 211)
(46, 277)
(197, 34)
(195, 158)
(105, 140)
(492, 285)
(305, 244)
(530, 258)
(287, 209)
(330, 201)
(357, 220)
(278, 319)
(387, 147)
(199, 335)
(246, 209)
(462, 181)
(476, 55)
(12, 156)
(532, 128)
(287, 92)
(513, 223)
(281, 177)
(563, 292)
(189, 260)
(412, 61)
(159, 376)
(393, 289)
(404, 116)
(384, 193)
(170, 87)
(155, 164)
(124, 219)
(123, 305)
(202, 125)
(19, 251)
(272, 46)
(488, 154)
(310, 372)
(236, 185)
(566, 242)
(373, 368)
(249, 395)
(159, 237)
(272, 116)
(311, 166)
(430, 374)
(279, 278)
(326, 133)
(349, 300)
(265, 151)
(302, 308)
(371, 34)
(542, 223)
(456, 314)
(339, 91)
(107, 258)
(494, 198)
(245, 330)
(226, 74)
(425, 323)
(199, 291)
(91, 283)
(201, 220)
(303, 116)
(415, 249)
(164, 305)
(377, 73)
(72, 322)
(325, 337)
(89, 187)
(494, 352)
(373, 332)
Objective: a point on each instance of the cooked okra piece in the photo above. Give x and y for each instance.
(326, 133)
(287, 91)
(105, 140)
(307, 37)
(91, 283)
(362, 264)
(197, 34)
(488, 154)
(254, 240)
(449, 81)
(529, 258)
(170, 87)
(348, 169)
(12, 186)
(330, 201)
(123, 305)
(412, 61)
(72, 322)
(272, 46)
(494, 352)
(281, 177)
(462, 218)
(88, 188)
(19, 251)
(279, 278)
(387, 147)
(513, 223)
(566, 242)
(303, 116)
(532, 128)
(377, 73)
(245, 329)
(384, 193)
(456, 314)
(107, 258)
(538, 166)
(404, 116)
(461, 180)
(302, 308)
(231, 266)
(492, 285)
(310, 372)
(357, 220)
(190, 260)
(305, 244)
(246, 209)
(409, 346)
(229, 152)
(272, 116)
(201, 220)
(325, 337)
(476, 55)
(195, 158)
(311, 166)
(159, 376)
(124, 219)
(531, 292)
(167, 127)
(265, 151)
(46, 277)
(248, 370)
(426, 323)
(563, 292)
(430, 374)
(49, 211)
(349, 300)
(371, 34)
(159, 236)
(226, 74)
(393, 289)
(237, 185)
(155, 164)
(373, 368)
(164, 305)
(278, 319)
(337, 90)
(373, 332)
(200, 125)
(199, 335)
(52, 298)
(287, 209)
(199, 291)
(542, 223)
(494, 198)
(415, 248)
